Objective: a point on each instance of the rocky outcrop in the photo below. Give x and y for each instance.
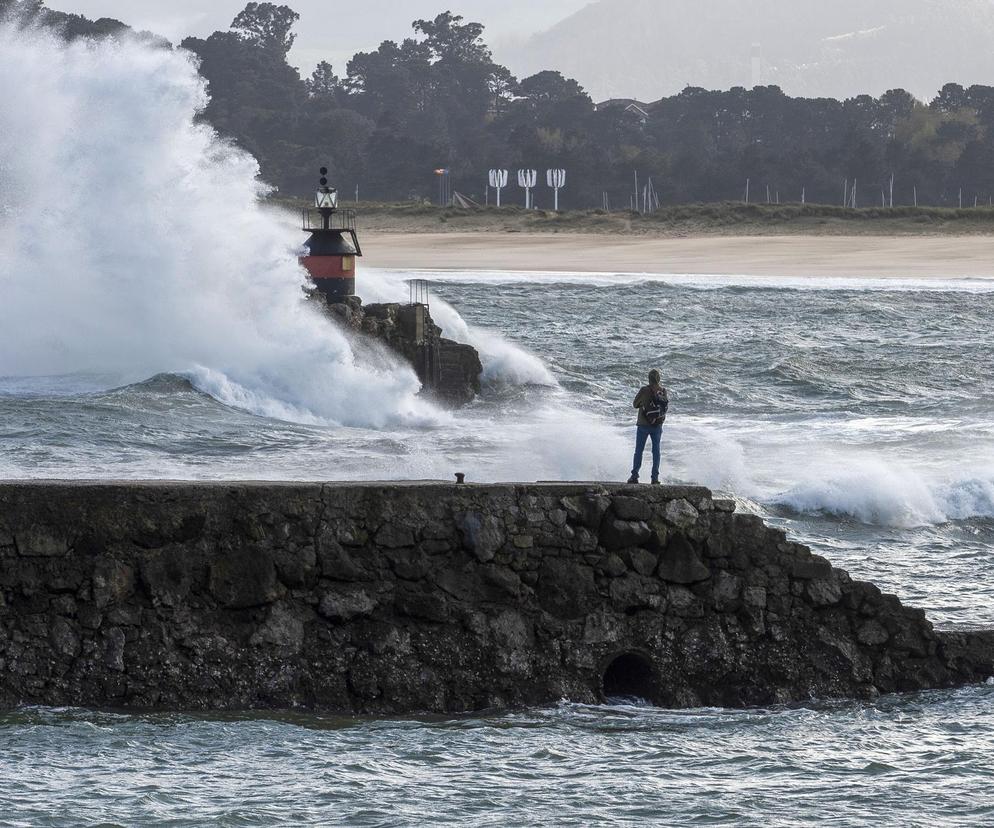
(449, 371)
(402, 598)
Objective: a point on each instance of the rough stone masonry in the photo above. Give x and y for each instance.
(405, 598)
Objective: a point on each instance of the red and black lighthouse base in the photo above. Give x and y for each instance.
(333, 246)
(330, 261)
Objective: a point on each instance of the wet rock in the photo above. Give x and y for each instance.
(615, 566)
(421, 604)
(64, 638)
(394, 536)
(680, 513)
(603, 628)
(41, 542)
(243, 578)
(113, 582)
(510, 630)
(503, 579)
(337, 563)
(587, 510)
(282, 629)
(619, 534)
(911, 640)
(824, 592)
(449, 371)
(810, 567)
(631, 508)
(755, 597)
(483, 535)
(681, 564)
(114, 641)
(633, 592)
(167, 576)
(460, 370)
(409, 564)
(344, 604)
(566, 589)
(726, 591)
(683, 603)
(294, 566)
(872, 634)
(641, 560)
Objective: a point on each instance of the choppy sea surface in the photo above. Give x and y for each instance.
(857, 414)
(922, 760)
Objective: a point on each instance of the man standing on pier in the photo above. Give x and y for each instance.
(652, 403)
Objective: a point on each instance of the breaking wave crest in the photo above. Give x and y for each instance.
(890, 495)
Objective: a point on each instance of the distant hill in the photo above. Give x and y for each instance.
(647, 49)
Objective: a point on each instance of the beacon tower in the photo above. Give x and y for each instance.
(333, 244)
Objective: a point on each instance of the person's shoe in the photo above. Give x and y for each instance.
(656, 483)
(633, 480)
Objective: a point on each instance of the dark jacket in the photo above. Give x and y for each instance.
(644, 396)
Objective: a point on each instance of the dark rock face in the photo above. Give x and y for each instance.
(429, 597)
(449, 371)
(459, 372)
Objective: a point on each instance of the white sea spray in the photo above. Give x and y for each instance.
(132, 242)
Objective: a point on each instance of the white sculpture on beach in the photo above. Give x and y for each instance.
(557, 180)
(527, 179)
(498, 180)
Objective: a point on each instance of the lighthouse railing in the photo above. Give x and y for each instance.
(418, 290)
(312, 220)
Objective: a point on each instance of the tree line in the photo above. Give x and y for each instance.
(439, 100)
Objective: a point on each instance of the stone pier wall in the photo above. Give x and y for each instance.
(402, 598)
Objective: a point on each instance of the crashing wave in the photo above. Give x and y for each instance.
(878, 494)
(164, 260)
(504, 363)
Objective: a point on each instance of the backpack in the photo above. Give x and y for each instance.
(655, 409)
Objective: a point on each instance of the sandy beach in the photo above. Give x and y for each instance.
(841, 256)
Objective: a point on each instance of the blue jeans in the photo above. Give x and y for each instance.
(644, 433)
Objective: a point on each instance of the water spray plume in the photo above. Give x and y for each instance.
(132, 242)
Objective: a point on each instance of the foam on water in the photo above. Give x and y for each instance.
(717, 282)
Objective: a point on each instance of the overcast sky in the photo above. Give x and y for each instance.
(646, 49)
(331, 29)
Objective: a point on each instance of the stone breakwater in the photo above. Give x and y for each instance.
(403, 598)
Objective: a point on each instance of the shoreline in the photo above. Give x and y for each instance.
(968, 256)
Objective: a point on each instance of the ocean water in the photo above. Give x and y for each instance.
(908, 761)
(160, 333)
